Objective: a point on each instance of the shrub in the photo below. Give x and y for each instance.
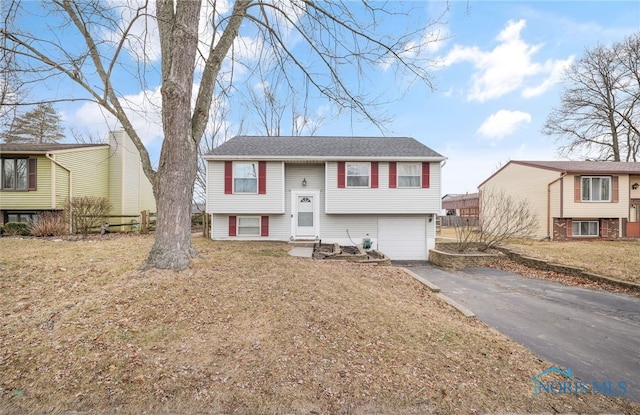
(86, 213)
(48, 224)
(15, 229)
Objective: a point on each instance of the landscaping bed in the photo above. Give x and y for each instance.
(350, 253)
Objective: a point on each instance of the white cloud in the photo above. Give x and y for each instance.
(142, 109)
(503, 123)
(556, 70)
(507, 67)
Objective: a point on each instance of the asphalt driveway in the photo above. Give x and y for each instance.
(595, 333)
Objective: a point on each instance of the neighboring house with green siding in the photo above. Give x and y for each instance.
(41, 177)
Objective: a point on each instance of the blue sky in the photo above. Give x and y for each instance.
(497, 78)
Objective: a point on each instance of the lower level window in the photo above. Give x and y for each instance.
(248, 226)
(586, 228)
(20, 217)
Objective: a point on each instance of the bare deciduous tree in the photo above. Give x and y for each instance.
(599, 113)
(85, 213)
(91, 41)
(503, 217)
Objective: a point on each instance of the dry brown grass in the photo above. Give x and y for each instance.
(247, 329)
(617, 259)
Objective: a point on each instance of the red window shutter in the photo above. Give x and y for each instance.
(425, 175)
(264, 226)
(604, 228)
(374, 174)
(569, 228)
(393, 180)
(228, 177)
(262, 177)
(341, 175)
(615, 191)
(232, 225)
(577, 195)
(32, 169)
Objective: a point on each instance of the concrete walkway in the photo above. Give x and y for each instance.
(301, 251)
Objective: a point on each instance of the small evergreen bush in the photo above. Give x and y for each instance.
(15, 229)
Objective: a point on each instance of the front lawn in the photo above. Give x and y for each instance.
(247, 329)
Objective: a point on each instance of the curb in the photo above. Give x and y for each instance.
(435, 289)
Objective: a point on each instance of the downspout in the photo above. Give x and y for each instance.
(564, 173)
(70, 196)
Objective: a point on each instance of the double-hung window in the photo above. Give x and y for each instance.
(409, 174)
(245, 177)
(248, 226)
(358, 174)
(14, 174)
(596, 189)
(585, 228)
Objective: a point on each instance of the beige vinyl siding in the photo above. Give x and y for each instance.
(382, 200)
(62, 181)
(526, 183)
(34, 199)
(89, 173)
(238, 204)
(129, 189)
(596, 210)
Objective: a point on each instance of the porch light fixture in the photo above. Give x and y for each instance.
(304, 182)
(635, 186)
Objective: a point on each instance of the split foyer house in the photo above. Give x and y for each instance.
(574, 199)
(334, 189)
(41, 177)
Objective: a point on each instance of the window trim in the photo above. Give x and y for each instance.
(419, 175)
(257, 178)
(29, 171)
(347, 175)
(258, 227)
(578, 235)
(590, 200)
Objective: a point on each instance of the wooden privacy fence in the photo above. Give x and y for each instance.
(457, 221)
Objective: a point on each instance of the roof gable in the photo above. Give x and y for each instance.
(326, 148)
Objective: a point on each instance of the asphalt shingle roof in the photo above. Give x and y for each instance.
(323, 147)
(43, 148)
(585, 166)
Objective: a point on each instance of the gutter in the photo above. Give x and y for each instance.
(53, 184)
(562, 175)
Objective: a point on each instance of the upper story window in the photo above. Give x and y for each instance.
(245, 177)
(14, 174)
(358, 174)
(409, 174)
(596, 189)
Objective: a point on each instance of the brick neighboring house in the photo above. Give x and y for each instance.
(40, 177)
(465, 206)
(575, 199)
(334, 189)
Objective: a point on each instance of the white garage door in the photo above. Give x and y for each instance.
(403, 238)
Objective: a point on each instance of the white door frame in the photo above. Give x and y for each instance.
(315, 194)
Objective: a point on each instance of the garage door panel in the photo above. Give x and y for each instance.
(403, 238)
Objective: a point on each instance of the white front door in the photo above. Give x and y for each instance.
(304, 214)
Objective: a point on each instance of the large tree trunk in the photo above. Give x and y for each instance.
(172, 247)
(173, 184)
